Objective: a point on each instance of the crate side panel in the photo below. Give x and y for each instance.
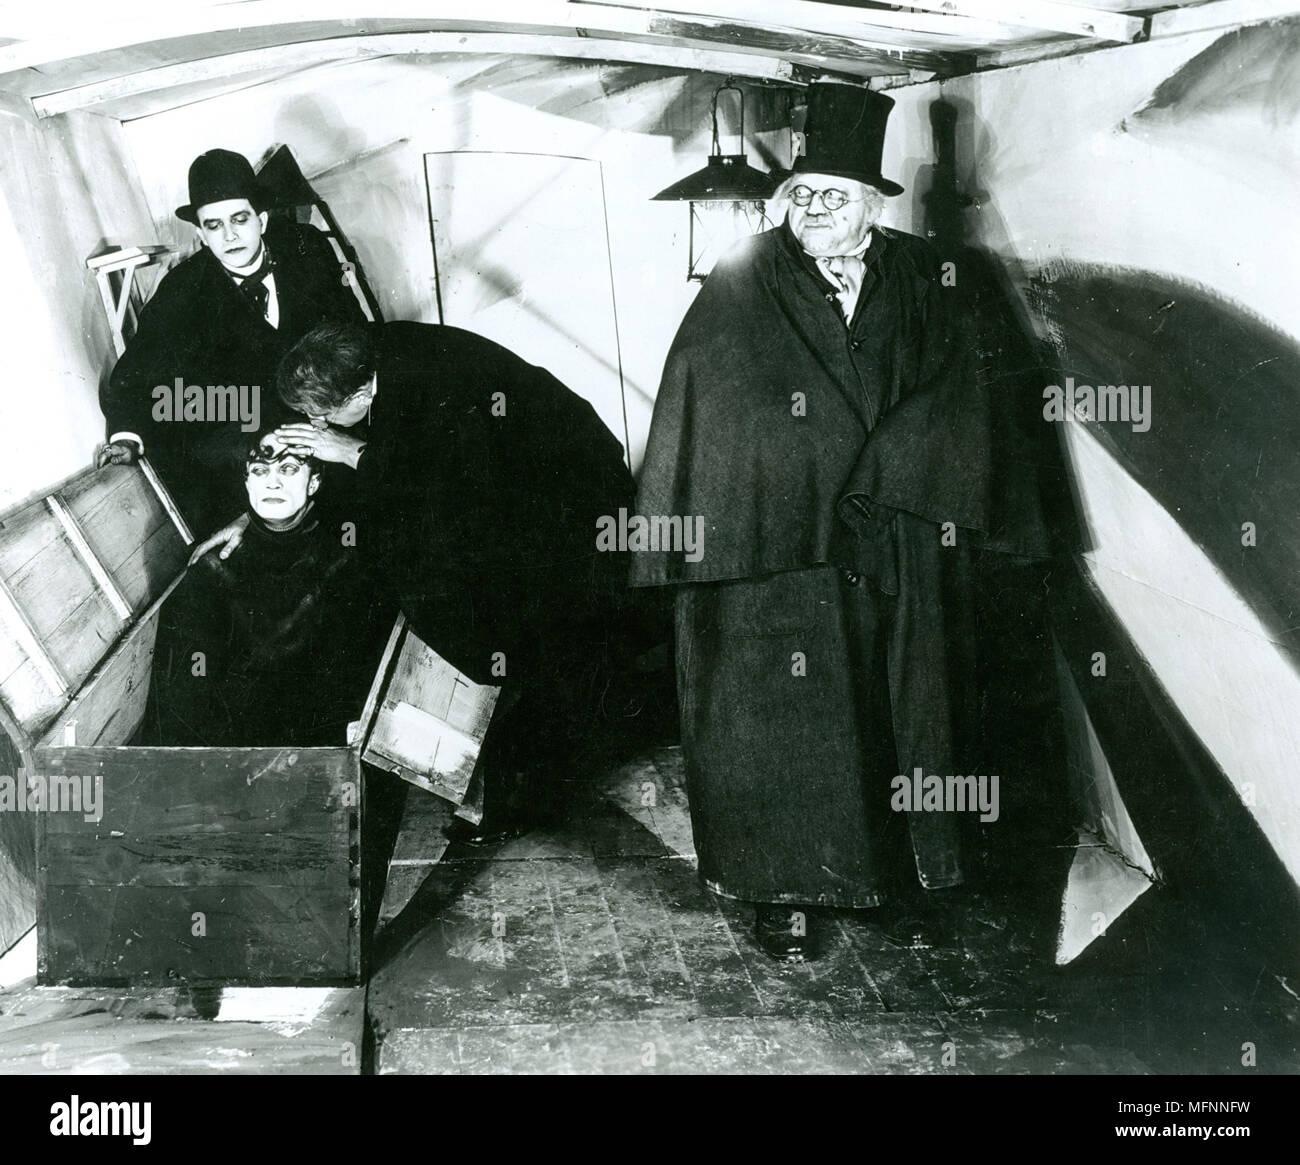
(154, 934)
(430, 726)
(109, 708)
(260, 841)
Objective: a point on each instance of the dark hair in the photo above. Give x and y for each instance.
(264, 454)
(325, 367)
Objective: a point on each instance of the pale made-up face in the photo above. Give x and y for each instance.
(232, 230)
(833, 232)
(278, 490)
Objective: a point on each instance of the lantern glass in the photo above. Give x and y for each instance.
(716, 226)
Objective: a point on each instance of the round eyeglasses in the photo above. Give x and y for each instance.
(831, 199)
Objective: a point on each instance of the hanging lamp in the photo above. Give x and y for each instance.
(726, 198)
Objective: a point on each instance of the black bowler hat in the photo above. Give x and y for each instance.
(217, 176)
(844, 134)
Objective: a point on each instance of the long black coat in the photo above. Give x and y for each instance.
(480, 490)
(822, 634)
(200, 327)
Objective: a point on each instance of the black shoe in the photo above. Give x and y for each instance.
(784, 932)
(486, 833)
(923, 925)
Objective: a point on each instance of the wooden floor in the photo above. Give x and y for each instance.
(591, 947)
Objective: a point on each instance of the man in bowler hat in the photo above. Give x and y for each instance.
(221, 318)
(821, 412)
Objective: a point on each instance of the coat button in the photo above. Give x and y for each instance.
(851, 578)
(855, 344)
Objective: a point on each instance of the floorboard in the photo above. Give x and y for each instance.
(591, 946)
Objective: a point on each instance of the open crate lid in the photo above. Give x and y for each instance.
(79, 564)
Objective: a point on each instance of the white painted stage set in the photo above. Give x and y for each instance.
(1130, 170)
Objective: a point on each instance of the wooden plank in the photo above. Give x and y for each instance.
(262, 842)
(89, 493)
(155, 481)
(912, 24)
(361, 728)
(912, 1044)
(811, 48)
(1043, 50)
(253, 935)
(24, 533)
(239, 1031)
(108, 709)
(1219, 14)
(1189, 19)
(1044, 15)
(421, 842)
(309, 54)
(430, 726)
(33, 688)
(296, 855)
(125, 257)
(12, 656)
(196, 795)
(77, 540)
(18, 896)
(17, 860)
(56, 592)
(129, 530)
(288, 21)
(151, 566)
(658, 1046)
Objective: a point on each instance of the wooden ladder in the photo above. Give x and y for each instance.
(119, 290)
(291, 193)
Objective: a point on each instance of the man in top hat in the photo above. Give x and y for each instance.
(820, 411)
(220, 319)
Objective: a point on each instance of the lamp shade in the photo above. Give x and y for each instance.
(726, 178)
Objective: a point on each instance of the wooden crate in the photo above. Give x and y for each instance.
(195, 865)
(78, 564)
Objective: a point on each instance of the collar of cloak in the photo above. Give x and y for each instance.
(789, 449)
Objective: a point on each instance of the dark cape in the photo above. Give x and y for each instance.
(200, 327)
(290, 635)
(825, 460)
(796, 439)
(481, 487)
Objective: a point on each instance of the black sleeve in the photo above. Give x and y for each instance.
(162, 348)
(186, 705)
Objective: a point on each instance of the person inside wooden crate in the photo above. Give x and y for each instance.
(484, 484)
(277, 644)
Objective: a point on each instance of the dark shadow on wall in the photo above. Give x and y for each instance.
(1223, 448)
(1018, 728)
(313, 128)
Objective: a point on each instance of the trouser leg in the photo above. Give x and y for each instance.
(531, 753)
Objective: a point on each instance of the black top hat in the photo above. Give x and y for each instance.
(844, 134)
(216, 176)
